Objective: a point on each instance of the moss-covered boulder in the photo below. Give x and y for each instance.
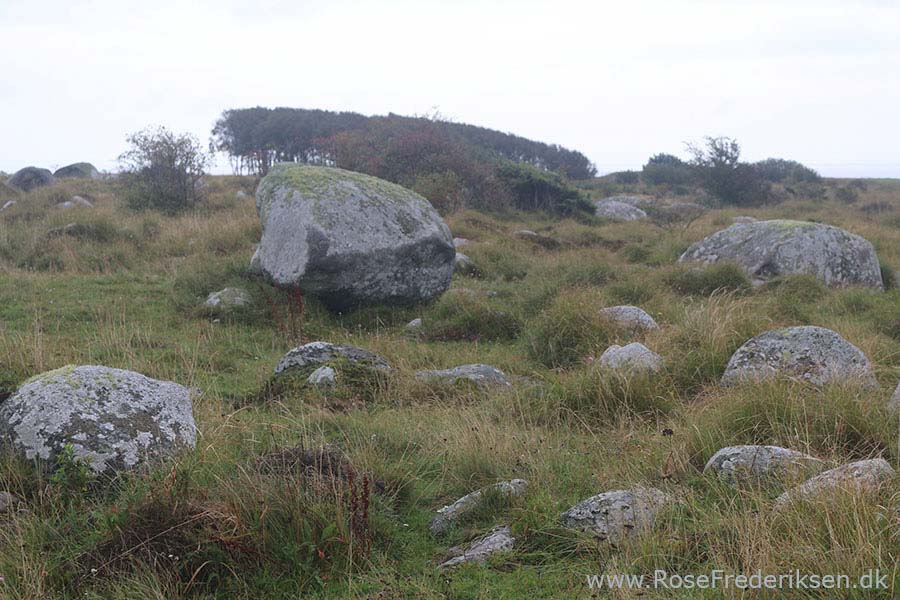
(112, 419)
(349, 238)
(768, 249)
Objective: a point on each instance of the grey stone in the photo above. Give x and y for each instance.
(459, 242)
(462, 263)
(30, 178)
(498, 540)
(814, 354)
(617, 515)
(241, 195)
(861, 477)
(615, 210)
(483, 375)
(525, 234)
(414, 325)
(767, 249)
(319, 353)
(323, 376)
(7, 205)
(8, 502)
(113, 419)
(632, 358)
(761, 464)
(76, 201)
(81, 170)
(228, 298)
(350, 238)
(453, 513)
(630, 317)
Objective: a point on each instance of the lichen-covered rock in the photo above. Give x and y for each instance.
(453, 513)
(894, 402)
(761, 464)
(636, 201)
(30, 178)
(615, 516)
(315, 354)
(350, 238)
(632, 358)
(324, 376)
(241, 195)
(80, 170)
(462, 263)
(228, 298)
(498, 540)
(615, 210)
(768, 249)
(113, 419)
(861, 477)
(814, 354)
(629, 317)
(482, 375)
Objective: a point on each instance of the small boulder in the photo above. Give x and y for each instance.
(30, 178)
(324, 376)
(315, 354)
(81, 170)
(761, 464)
(351, 239)
(453, 513)
(632, 358)
(861, 477)
(75, 202)
(768, 249)
(414, 325)
(113, 419)
(629, 317)
(482, 375)
(615, 516)
(498, 540)
(814, 354)
(615, 210)
(228, 298)
(462, 263)
(459, 242)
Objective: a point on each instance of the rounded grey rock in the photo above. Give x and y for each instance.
(483, 375)
(861, 477)
(630, 317)
(768, 249)
(113, 419)
(813, 354)
(81, 170)
(30, 178)
(761, 463)
(632, 358)
(351, 239)
(323, 376)
(319, 353)
(614, 210)
(617, 515)
(462, 263)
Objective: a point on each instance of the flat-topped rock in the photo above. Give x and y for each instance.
(482, 375)
(499, 539)
(453, 513)
(614, 210)
(228, 298)
(315, 354)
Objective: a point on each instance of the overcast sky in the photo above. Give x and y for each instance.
(818, 81)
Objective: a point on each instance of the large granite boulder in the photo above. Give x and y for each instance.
(767, 249)
(310, 356)
(350, 238)
(617, 515)
(81, 170)
(618, 211)
(30, 178)
(814, 354)
(113, 419)
(761, 464)
(861, 477)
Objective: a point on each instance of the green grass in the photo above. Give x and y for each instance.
(222, 522)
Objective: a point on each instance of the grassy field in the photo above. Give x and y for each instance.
(126, 290)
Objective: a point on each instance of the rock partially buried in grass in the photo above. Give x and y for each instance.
(75, 202)
(462, 263)
(498, 540)
(632, 358)
(761, 464)
(459, 242)
(861, 477)
(768, 249)
(319, 353)
(813, 354)
(113, 419)
(630, 317)
(351, 239)
(615, 210)
(453, 513)
(322, 377)
(228, 298)
(617, 515)
(482, 375)
(31, 178)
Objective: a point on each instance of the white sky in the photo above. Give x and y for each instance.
(816, 81)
